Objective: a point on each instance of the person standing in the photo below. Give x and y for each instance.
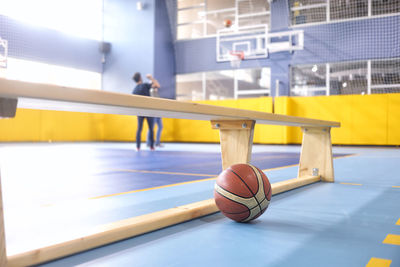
(144, 89)
(157, 120)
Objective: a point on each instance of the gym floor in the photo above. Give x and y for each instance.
(56, 192)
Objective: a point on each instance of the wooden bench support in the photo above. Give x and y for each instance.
(3, 254)
(236, 133)
(131, 227)
(8, 107)
(316, 153)
(236, 137)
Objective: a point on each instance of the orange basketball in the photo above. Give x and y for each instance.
(242, 192)
(227, 23)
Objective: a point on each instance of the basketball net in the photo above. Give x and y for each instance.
(236, 58)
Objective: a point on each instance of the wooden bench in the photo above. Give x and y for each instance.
(236, 128)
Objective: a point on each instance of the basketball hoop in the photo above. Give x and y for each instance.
(236, 57)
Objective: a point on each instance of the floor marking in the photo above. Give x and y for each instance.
(392, 240)
(377, 262)
(163, 172)
(350, 183)
(170, 185)
(189, 182)
(396, 186)
(152, 188)
(398, 222)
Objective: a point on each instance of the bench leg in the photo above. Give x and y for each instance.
(316, 153)
(8, 107)
(236, 141)
(3, 254)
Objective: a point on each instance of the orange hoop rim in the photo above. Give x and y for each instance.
(239, 54)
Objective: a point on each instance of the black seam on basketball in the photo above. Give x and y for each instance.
(243, 182)
(270, 187)
(249, 210)
(234, 193)
(254, 196)
(259, 205)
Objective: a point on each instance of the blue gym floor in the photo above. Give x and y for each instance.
(56, 192)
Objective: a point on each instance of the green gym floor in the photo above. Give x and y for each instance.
(56, 192)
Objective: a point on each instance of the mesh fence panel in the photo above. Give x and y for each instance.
(356, 42)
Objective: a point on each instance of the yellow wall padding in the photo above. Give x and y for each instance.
(365, 119)
(393, 112)
(26, 126)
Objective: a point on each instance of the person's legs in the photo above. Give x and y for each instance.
(148, 134)
(150, 123)
(139, 131)
(158, 121)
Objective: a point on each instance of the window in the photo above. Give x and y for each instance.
(253, 82)
(348, 78)
(189, 86)
(308, 11)
(363, 77)
(36, 72)
(345, 9)
(202, 18)
(380, 7)
(314, 11)
(225, 84)
(385, 76)
(76, 17)
(308, 80)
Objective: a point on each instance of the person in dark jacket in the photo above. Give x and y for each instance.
(144, 89)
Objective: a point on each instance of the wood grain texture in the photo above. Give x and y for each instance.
(236, 138)
(3, 253)
(135, 226)
(316, 152)
(96, 101)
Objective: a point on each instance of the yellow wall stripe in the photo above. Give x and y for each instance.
(396, 186)
(355, 115)
(377, 262)
(392, 239)
(398, 222)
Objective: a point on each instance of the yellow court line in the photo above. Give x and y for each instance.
(171, 185)
(392, 239)
(152, 188)
(396, 186)
(189, 182)
(163, 172)
(377, 262)
(350, 184)
(398, 222)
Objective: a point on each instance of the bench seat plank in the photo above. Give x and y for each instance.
(44, 96)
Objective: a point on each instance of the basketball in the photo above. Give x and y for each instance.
(227, 23)
(242, 192)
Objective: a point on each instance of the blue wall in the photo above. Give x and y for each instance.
(49, 46)
(140, 42)
(164, 53)
(330, 42)
(131, 34)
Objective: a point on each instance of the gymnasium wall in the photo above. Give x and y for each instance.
(140, 42)
(49, 46)
(131, 34)
(365, 119)
(351, 40)
(164, 53)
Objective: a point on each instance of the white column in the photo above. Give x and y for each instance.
(369, 77)
(327, 79)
